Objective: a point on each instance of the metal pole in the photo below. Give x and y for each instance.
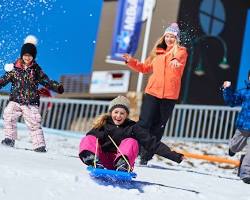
(145, 47)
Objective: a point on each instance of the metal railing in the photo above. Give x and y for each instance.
(202, 123)
(66, 114)
(189, 122)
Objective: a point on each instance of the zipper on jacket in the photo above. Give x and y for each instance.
(21, 94)
(164, 77)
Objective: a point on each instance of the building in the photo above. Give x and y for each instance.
(213, 32)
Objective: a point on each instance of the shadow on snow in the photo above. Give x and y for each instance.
(138, 185)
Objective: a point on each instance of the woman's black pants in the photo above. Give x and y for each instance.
(154, 115)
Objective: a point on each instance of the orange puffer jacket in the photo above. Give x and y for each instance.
(165, 81)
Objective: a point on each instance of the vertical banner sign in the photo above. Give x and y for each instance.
(245, 59)
(127, 28)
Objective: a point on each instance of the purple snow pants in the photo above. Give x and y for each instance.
(129, 148)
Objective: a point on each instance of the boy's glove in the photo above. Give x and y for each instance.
(60, 89)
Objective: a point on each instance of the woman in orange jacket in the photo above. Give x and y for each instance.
(166, 63)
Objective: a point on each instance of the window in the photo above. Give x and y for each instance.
(212, 16)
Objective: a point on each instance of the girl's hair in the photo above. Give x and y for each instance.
(100, 121)
(173, 51)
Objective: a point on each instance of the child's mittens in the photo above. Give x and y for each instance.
(60, 89)
(8, 67)
(44, 92)
(101, 136)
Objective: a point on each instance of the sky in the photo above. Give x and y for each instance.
(66, 33)
(60, 175)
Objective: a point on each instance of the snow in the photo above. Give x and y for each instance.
(60, 175)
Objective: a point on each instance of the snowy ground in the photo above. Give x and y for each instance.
(60, 175)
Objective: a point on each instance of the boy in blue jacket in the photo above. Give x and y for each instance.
(242, 134)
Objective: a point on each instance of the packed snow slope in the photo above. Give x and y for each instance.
(60, 175)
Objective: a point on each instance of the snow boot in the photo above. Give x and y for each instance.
(145, 156)
(122, 165)
(231, 153)
(246, 180)
(8, 142)
(41, 149)
(241, 159)
(88, 158)
(143, 162)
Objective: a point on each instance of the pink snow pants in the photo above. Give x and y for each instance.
(129, 148)
(31, 117)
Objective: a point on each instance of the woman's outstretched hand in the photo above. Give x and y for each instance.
(126, 57)
(174, 63)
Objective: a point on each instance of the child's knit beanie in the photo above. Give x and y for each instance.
(29, 46)
(119, 102)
